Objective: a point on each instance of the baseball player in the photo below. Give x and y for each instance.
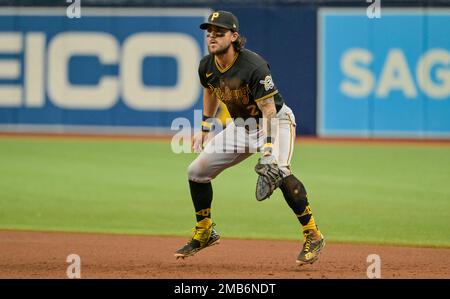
(241, 79)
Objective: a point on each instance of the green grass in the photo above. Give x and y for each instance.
(359, 193)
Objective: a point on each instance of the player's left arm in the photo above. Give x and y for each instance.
(269, 174)
(269, 112)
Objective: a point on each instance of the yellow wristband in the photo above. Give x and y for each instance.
(206, 124)
(267, 149)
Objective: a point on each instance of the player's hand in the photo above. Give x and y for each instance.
(269, 176)
(268, 159)
(198, 141)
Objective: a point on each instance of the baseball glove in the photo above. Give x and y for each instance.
(269, 178)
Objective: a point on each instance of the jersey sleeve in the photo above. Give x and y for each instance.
(261, 84)
(202, 73)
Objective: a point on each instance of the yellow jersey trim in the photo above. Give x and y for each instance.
(266, 96)
(223, 70)
(291, 141)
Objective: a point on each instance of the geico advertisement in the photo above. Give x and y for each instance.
(386, 76)
(108, 67)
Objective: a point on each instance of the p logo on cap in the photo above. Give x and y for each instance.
(222, 19)
(214, 15)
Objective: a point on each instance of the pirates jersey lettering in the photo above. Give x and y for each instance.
(241, 85)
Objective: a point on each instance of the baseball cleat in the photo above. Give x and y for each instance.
(203, 237)
(313, 244)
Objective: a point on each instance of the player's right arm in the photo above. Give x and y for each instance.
(210, 106)
(210, 103)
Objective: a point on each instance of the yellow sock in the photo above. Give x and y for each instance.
(205, 223)
(310, 225)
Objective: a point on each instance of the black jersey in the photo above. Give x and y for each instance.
(241, 85)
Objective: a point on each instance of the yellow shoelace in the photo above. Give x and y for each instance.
(201, 234)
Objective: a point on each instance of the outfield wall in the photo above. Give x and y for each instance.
(122, 69)
(384, 77)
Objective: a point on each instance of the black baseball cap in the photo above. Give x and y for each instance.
(223, 19)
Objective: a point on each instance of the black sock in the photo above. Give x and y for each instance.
(202, 195)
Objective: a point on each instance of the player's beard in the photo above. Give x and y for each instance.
(219, 51)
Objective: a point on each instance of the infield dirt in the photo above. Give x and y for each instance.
(43, 255)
